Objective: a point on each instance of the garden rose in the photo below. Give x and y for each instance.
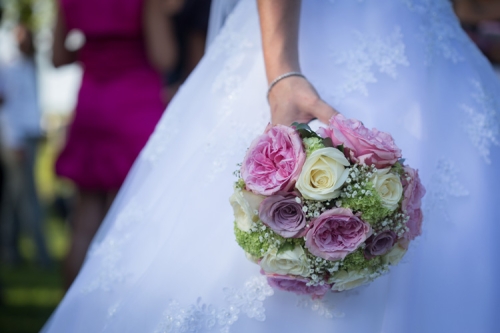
(414, 191)
(292, 262)
(283, 213)
(343, 280)
(323, 173)
(388, 187)
(245, 208)
(361, 144)
(273, 161)
(336, 233)
(297, 285)
(380, 244)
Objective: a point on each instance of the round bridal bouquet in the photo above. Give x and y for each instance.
(326, 210)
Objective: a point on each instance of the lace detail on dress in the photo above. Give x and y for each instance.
(166, 131)
(334, 1)
(200, 317)
(320, 306)
(112, 310)
(221, 152)
(109, 252)
(231, 44)
(234, 45)
(370, 54)
(444, 185)
(440, 30)
(483, 123)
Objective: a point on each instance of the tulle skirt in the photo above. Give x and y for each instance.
(166, 260)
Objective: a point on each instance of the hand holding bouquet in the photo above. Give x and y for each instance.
(325, 211)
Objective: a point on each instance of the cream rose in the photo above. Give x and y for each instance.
(343, 280)
(388, 187)
(323, 173)
(394, 256)
(246, 208)
(292, 262)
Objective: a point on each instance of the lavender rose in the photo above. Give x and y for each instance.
(380, 244)
(283, 213)
(362, 145)
(336, 233)
(414, 191)
(273, 161)
(296, 285)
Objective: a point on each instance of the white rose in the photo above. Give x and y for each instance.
(323, 174)
(394, 256)
(389, 188)
(292, 262)
(246, 208)
(343, 280)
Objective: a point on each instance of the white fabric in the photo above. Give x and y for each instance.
(20, 116)
(219, 11)
(404, 66)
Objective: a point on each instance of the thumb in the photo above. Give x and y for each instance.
(324, 112)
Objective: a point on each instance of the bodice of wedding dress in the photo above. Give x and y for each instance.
(165, 259)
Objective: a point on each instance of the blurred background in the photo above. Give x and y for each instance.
(39, 95)
(37, 206)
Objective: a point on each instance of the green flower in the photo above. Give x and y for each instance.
(368, 202)
(313, 143)
(240, 184)
(253, 243)
(356, 261)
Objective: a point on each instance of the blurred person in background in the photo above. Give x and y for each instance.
(128, 43)
(481, 20)
(21, 118)
(191, 25)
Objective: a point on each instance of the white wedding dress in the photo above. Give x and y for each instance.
(166, 260)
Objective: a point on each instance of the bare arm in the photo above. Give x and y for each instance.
(294, 98)
(161, 44)
(60, 55)
(474, 11)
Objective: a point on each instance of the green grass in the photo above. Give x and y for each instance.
(29, 294)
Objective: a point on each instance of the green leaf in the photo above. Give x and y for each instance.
(341, 148)
(305, 131)
(398, 168)
(287, 246)
(300, 126)
(327, 142)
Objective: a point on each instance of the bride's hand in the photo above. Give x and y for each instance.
(294, 99)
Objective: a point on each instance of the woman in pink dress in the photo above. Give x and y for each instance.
(128, 43)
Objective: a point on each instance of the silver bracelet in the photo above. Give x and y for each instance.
(281, 77)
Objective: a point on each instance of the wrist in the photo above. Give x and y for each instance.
(279, 67)
(284, 76)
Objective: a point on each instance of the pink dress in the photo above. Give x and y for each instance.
(119, 101)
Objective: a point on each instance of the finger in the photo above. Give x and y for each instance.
(324, 112)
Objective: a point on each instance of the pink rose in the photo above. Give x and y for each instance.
(362, 145)
(336, 233)
(414, 191)
(296, 285)
(274, 161)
